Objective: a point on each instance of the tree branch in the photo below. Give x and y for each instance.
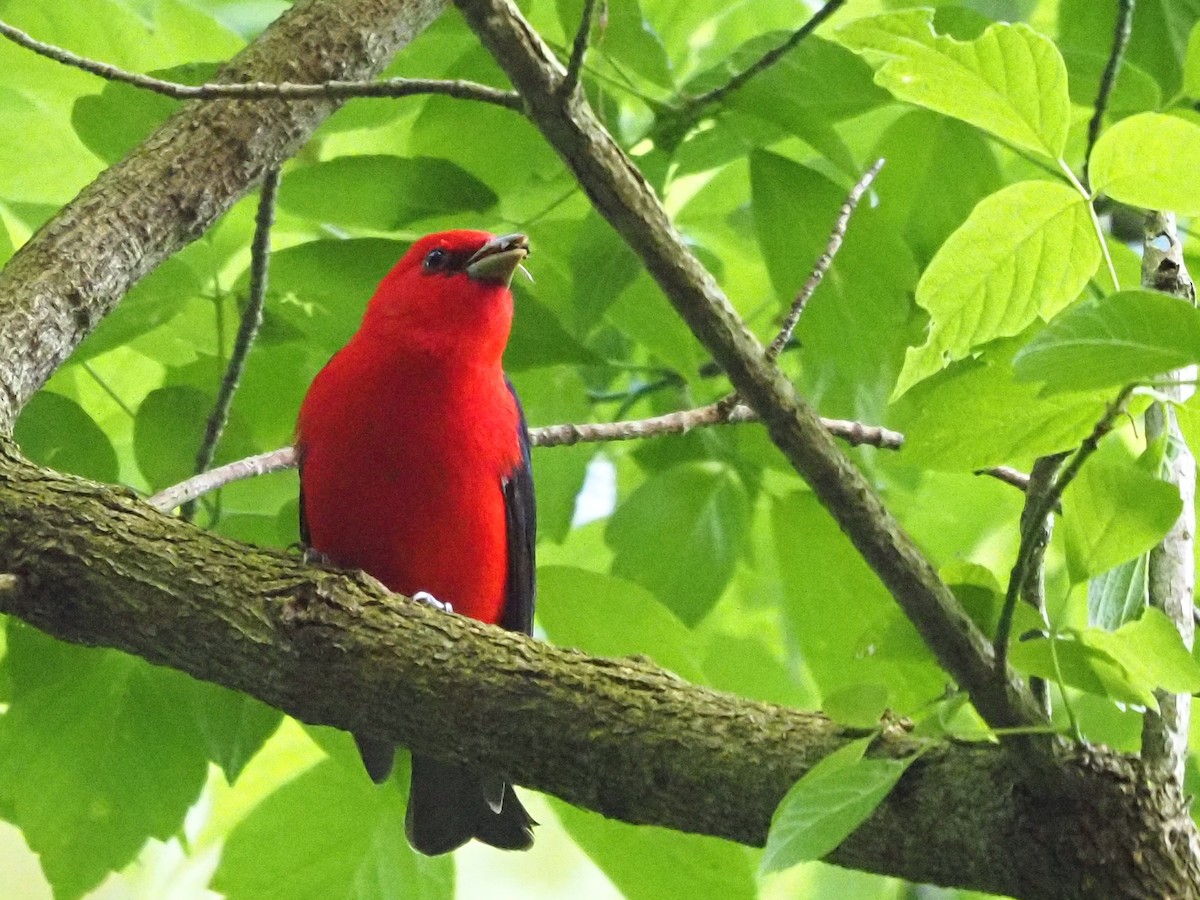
(695, 105)
(855, 433)
(824, 261)
(622, 195)
(618, 736)
(578, 49)
(260, 90)
(1121, 34)
(260, 252)
(59, 285)
(1172, 569)
(1033, 519)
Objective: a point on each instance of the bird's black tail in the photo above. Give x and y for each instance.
(450, 804)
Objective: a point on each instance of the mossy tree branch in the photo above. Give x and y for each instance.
(95, 565)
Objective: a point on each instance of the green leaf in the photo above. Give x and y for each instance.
(1113, 341)
(1152, 651)
(833, 798)
(382, 192)
(1010, 81)
(121, 116)
(329, 834)
(1191, 64)
(680, 534)
(45, 134)
(324, 286)
(1124, 338)
(97, 754)
(1135, 89)
(1012, 422)
(1150, 160)
(55, 431)
(937, 170)
(648, 863)
(1112, 513)
(234, 726)
(857, 705)
(1026, 251)
(606, 616)
(1118, 595)
(1084, 666)
(152, 302)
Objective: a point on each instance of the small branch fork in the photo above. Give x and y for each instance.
(258, 90)
(578, 50)
(1033, 522)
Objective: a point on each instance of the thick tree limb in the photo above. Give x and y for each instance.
(175, 185)
(94, 565)
(622, 195)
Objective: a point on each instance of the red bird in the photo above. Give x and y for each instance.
(414, 467)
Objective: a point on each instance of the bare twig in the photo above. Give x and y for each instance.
(1008, 475)
(768, 59)
(259, 90)
(1171, 571)
(1123, 29)
(1034, 517)
(578, 49)
(824, 261)
(855, 433)
(260, 252)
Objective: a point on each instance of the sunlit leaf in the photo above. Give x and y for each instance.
(1026, 251)
(1010, 81)
(1150, 160)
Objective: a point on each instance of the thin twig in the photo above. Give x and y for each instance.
(824, 261)
(260, 252)
(567, 435)
(1008, 475)
(768, 59)
(578, 49)
(260, 90)
(1123, 29)
(1036, 514)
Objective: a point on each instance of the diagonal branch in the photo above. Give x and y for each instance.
(578, 49)
(622, 195)
(696, 105)
(168, 191)
(332, 89)
(330, 648)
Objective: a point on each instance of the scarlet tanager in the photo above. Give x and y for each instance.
(414, 467)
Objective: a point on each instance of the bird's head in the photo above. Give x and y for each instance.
(449, 295)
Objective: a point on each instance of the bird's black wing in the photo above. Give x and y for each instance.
(520, 514)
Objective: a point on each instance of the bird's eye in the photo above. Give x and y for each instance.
(436, 260)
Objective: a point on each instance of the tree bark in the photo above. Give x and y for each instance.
(170, 189)
(94, 565)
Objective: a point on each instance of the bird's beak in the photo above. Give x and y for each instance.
(498, 259)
